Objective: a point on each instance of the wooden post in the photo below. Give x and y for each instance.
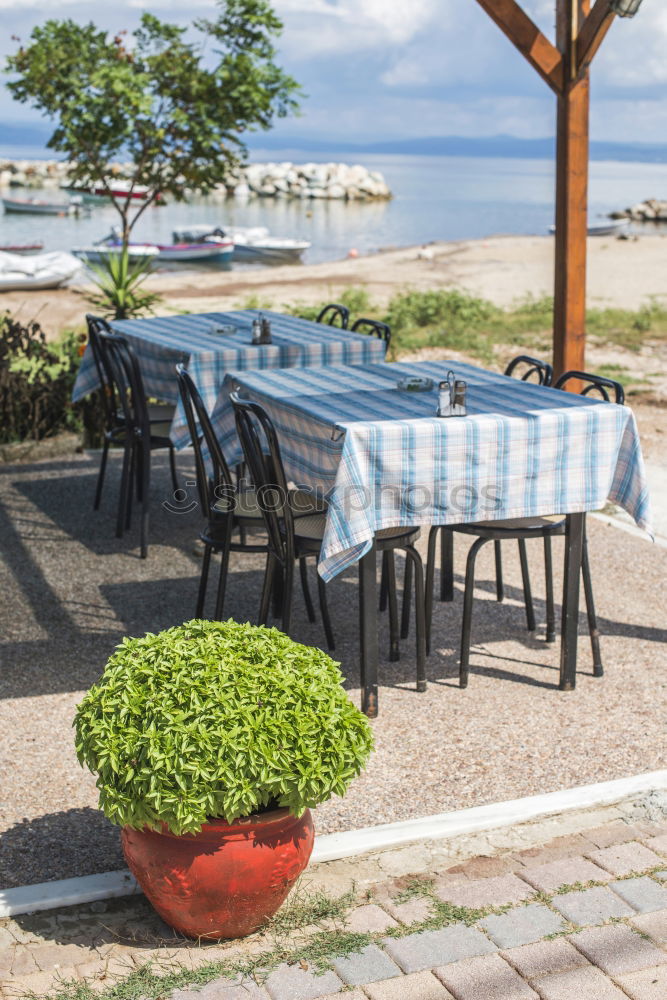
(569, 333)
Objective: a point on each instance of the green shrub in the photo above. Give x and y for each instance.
(447, 307)
(36, 381)
(217, 719)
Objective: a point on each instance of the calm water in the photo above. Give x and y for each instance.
(436, 198)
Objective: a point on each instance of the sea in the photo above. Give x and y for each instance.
(435, 198)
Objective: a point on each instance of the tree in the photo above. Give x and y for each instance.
(176, 106)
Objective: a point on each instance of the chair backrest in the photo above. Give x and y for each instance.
(530, 370)
(261, 452)
(380, 330)
(122, 364)
(110, 402)
(335, 315)
(219, 486)
(594, 384)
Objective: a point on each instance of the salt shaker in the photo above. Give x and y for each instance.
(459, 407)
(444, 399)
(266, 331)
(257, 330)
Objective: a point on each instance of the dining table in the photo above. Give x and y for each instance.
(382, 457)
(212, 344)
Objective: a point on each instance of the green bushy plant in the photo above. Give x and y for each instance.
(119, 281)
(36, 380)
(217, 719)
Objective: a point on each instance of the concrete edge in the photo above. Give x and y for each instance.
(335, 846)
(630, 528)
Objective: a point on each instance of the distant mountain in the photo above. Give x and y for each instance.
(501, 146)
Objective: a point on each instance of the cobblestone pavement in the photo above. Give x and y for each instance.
(573, 907)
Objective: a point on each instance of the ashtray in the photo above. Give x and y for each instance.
(415, 383)
(222, 329)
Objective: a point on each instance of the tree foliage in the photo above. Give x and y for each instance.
(176, 105)
(218, 719)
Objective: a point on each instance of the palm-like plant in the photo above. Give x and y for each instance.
(119, 280)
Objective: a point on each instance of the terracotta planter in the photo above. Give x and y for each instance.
(225, 881)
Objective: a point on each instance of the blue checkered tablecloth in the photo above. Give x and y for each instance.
(162, 342)
(383, 458)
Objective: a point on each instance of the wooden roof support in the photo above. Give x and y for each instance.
(580, 31)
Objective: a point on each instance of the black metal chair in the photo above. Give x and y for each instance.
(140, 436)
(530, 369)
(519, 529)
(380, 330)
(300, 538)
(335, 315)
(160, 415)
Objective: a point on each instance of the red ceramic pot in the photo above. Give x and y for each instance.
(226, 880)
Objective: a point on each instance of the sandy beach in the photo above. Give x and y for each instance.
(503, 269)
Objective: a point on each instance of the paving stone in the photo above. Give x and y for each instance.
(614, 833)
(54, 956)
(548, 878)
(366, 966)
(431, 948)
(657, 844)
(643, 894)
(7, 956)
(485, 866)
(523, 925)
(370, 919)
(624, 859)
(578, 984)
(224, 989)
(413, 912)
(487, 978)
(39, 983)
(348, 995)
(289, 982)
(569, 846)
(650, 984)
(544, 958)
(653, 924)
(617, 949)
(591, 906)
(24, 963)
(486, 892)
(420, 986)
(661, 875)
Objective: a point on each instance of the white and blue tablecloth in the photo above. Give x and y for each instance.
(162, 342)
(384, 459)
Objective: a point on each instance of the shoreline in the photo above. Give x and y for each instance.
(626, 274)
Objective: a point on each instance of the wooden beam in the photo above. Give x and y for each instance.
(592, 33)
(571, 197)
(528, 39)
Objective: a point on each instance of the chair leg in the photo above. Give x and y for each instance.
(549, 581)
(384, 589)
(145, 497)
(101, 474)
(303, 570)
(224, 568)
(413, 557)
(500, 587)
(267, 589)
(527, 592)
(430, 575)
(464, 666)
(446, 564)
(392, 598)
(324, 611)
(172, 465)
(598, 669)
(288, 586)
(124, 486)
(203, 580)
(407, 600)
(134, 481)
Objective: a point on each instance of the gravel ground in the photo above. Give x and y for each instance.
(71, 590)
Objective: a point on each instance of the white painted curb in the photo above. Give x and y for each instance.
(332, 847)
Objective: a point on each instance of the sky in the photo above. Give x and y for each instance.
(388, 69)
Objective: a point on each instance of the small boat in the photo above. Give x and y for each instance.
(119, 189)
(37, 206)
(45, 270)
(97, 253)
(22, 248)
(218, 250)
(252, 245)
(611, 228)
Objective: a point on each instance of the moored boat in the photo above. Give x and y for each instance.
(181, 253)
(22, 248)
(45, 270)
(611, 228)
(252, 245)
(36, 206)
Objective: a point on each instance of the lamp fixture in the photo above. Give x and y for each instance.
(625, 8)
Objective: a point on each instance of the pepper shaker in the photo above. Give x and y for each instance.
(257, 330)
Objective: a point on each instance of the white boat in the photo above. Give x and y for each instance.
(36, 206)
(611, 228)
(181, 253)
(97, 253)
(251, 245)
(44, 270)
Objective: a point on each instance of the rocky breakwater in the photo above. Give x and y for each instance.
(327, 181)
(651, 210)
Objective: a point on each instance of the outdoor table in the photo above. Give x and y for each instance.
(162, 342)
(384, 459)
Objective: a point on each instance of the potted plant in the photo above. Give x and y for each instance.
(211, 741)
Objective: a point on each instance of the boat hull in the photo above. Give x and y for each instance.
(34, 208)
